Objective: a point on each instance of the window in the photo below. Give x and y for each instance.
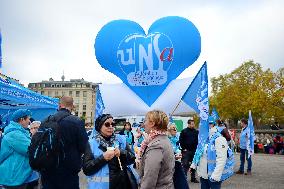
(76, 107)
(84, 114)
(63, 93)
(84, 93)
(77, 93)
(84, 107)
(52, 85)
(76, 113)
(42, 92)
(56, 93)
(70, 93)
(49, 93)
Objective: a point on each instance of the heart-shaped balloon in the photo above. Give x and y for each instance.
(148, 63)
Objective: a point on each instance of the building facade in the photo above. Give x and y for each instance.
(83, 93)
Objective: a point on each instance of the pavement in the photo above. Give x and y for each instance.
(267, 173)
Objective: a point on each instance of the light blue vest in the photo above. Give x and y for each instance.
(243, 139)
(211, 159)
(100, 180)
(128, 136)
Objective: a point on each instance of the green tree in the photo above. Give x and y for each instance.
(246, 88)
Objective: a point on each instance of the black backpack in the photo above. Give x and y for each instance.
(47, 147)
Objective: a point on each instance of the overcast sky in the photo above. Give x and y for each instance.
(41, 38)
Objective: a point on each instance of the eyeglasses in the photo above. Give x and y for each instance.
(173, 129)
(108, 124)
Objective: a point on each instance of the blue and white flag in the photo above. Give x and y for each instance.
(99, 104)
(0, 50)
(196, 96)
(215, 114)
(251, 136)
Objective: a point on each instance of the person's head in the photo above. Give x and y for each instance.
(104, 125)
(127, 126)
(220, 123)
(67, 103)
(211, 122)
(156, 120)
(34, 126)
(244, 122)
(22, 116)
(190, 123)
(172, 130)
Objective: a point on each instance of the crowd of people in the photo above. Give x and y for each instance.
(155, 157)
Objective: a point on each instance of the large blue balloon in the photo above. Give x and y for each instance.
(148, 63)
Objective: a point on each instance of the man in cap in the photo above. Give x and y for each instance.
(75, 139)
(14, 161)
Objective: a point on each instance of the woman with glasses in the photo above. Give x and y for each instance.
(106, 159)
(157, 159)
(180, 180)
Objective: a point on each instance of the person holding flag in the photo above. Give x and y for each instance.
(246, 145)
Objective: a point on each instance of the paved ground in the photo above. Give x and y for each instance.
(267, 173)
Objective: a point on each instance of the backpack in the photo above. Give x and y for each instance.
(47, 147)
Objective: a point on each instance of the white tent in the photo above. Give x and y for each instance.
(119, 100)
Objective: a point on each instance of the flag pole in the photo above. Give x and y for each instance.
(175, 108)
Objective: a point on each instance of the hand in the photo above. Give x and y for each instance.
(108, 155)
(117, 152)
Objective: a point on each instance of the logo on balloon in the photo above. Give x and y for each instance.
(143, 60)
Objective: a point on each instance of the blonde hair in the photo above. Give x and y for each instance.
(159, 118)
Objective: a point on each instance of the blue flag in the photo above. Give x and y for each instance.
(196, 96)
(251, 136)
(0, 50)
(98, 110)
(215, 114)
(99, 104)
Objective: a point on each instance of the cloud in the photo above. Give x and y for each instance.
(43, 38)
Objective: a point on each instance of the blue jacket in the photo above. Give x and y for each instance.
(14, 160)
(101, 178)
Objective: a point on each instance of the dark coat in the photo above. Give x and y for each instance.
(75, 139)
(188, 139)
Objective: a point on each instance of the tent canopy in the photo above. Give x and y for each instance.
(119, 100)
(14, 96)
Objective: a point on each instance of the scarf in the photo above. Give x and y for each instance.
(153, 134)
(103, 142)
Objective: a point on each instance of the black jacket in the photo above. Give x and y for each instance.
(75, 139)
(188, 139)
(118, 179)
